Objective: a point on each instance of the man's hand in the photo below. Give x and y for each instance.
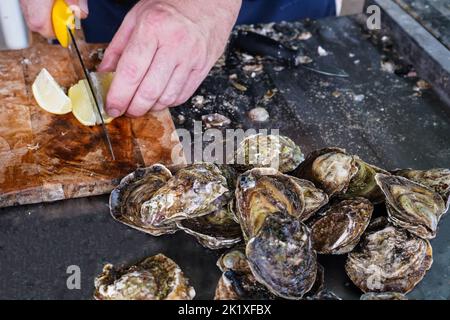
(38, 14)
(164, 50)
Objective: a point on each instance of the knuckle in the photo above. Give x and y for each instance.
(148, 94)
(159, 14)
(167, 99)
(130, 73)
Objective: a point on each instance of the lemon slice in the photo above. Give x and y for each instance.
(83, 105)
(49, 95)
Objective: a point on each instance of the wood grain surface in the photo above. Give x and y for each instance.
(46, 157)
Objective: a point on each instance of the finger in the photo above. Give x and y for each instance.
(131, 69)
(154, 83)
(79, 7)
(174, 87)
(38, 16)
(118, 44)
(193, 82)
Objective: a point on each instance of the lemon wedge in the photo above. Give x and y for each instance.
(49, 95)
(83, 105)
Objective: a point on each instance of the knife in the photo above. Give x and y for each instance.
(64, 26)
(256, 44)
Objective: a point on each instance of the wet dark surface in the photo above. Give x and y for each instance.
(434, 15)
(374, 113)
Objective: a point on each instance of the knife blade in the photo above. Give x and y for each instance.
(256, 44)
(92, 91)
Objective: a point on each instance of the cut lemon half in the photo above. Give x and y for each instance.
(49, 95)
(83, 105)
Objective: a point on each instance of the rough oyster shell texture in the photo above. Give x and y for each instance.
(383, 296)
(338, 230)
(315, 198)
(263, 191)
(389, 259)
(281, 256)
(155, 278)
(411, 205)
(192, 192)
(330, 169)
(261, 151)
(136, 188)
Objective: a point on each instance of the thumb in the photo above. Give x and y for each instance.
(79, 7)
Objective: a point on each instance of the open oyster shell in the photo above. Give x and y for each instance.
(155, 278)
(215, 230)
(136, 188)
(411, 205)
(338, 230)
(389, 259)
(281, 256)
(192, 192)
(315, 198)
(237, 281)
(436, 179)
(331, 169)
(278, 152)
(383, 296)
(262, 191)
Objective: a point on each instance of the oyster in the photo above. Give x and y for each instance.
(262, 191)
(324, 295)
(383, 296)
(281, 256)
(331, 169)
(363, 184)
(155, 278)
(339, 229)
(237, 281)
(278, 152)
(139, 186)
(435, 179)
(319, 283)
(411, 205)
(389, 259)
(315, 198)
(192, 192)
(215, 230)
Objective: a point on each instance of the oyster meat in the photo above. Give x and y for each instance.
(315, 198)
(262, 191)
(215, 230)
(278, 152)
(155, 278)
(338, 230)
(436, 179)
(192, 192)
(411, 205)
(136, 188)
(331, 169)
(383, 296)
(389, 259)
(281, 256)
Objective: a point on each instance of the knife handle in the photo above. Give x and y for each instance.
(62, 18)
(257, 44)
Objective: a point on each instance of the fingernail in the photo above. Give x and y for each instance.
(113, 112)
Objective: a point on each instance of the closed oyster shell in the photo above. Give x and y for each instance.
(411, 205)
(436, 179)
(237, 281)
(193, 191)
(363, 184)
(155, 278)
(389, 259)
(315, 198)
(278, 152)
(383, 296)
(215, 230)
(136, 188)
(339, 229)
(330, 169)
(281, 256)
(262, 191)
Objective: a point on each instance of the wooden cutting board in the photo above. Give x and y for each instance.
(46, 157)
